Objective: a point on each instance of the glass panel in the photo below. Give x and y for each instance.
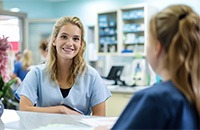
(38, 32)
(107, 26)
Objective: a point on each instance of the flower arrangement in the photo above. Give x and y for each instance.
(4, 47)
(6, 93)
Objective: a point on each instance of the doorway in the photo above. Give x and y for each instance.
(13, 26)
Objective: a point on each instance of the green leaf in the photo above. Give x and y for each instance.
(11, 82)
(1, 83)
(1, 93)
(7, 89)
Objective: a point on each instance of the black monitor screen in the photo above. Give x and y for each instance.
(115, 72)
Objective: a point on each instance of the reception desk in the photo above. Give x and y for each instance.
(20, 120)
(120, 97)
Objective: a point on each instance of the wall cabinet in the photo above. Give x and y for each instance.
(132, 29)
(124, 32)
(107, 32)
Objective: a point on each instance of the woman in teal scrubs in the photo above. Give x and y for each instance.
(65, 83)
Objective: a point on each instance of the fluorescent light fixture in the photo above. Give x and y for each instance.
(15, 9)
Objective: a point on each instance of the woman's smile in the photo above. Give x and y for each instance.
(68, 49)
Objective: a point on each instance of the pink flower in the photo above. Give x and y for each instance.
(4, 44)
(4, 47)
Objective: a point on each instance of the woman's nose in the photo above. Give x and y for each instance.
(69, 41)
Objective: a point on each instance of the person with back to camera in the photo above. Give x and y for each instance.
(173, 52)
(65, 83)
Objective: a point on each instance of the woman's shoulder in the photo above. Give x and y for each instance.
(38, 68)
(89, 70)
(158, 89)
(169, 99)
(165, 92)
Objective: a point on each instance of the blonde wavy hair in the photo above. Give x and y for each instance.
(177, 27)
(78, 65)
(26, 59)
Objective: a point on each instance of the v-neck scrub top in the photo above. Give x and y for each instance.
(88, 90)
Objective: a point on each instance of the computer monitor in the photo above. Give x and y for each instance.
(115, 73)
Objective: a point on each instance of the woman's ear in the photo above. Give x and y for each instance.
(54, 42)
(158, 48)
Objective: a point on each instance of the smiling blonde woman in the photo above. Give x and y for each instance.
(65, 84)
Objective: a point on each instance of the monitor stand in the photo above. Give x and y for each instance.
(122, 83)
(116, 82)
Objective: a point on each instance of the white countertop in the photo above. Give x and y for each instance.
(21, 120)
(125, 89)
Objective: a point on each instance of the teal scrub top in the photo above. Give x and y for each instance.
(88, 90)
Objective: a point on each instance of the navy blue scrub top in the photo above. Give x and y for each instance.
(161, 106)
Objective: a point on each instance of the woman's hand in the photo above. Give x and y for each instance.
(26, 105)
(101, 128)
(67, 110)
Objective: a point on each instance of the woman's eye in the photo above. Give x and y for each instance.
(76, 39)
(63, 37)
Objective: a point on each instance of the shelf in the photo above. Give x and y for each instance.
(108, 44)
(125, 32)
(134, 44)
(107, 35)
(108, 27)
(134, 19)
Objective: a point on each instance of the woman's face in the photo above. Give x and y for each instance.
(68, 42)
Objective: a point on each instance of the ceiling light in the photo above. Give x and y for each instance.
(15, 9)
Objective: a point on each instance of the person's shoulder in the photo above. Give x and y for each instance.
(17, 63)
(165, 92)
(40, 67)
(89, 70)
(159, 89)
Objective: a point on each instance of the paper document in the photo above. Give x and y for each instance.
(62, 127)
(9, 116)
(99, 121)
